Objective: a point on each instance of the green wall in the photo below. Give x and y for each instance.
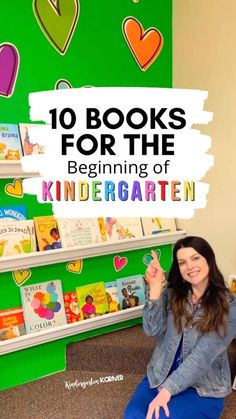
(97, 55)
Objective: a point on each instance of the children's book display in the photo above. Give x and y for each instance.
(47, 233)
(78, 231)
(92, 300)
(157, 225)
(17, 237)
(11, 323)
(10, 143)
(71, 307)
(29, 141)
(13, 213)
(131, 291)
(113, 229)
(44, 306)
(112, 296)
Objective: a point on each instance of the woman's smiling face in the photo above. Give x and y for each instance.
(193, 266)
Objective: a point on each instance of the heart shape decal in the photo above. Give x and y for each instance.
(58, 20)
(147, 258)
(144, 45)
(21, 276)
(119, 262)
(14, 189)
(75, 266)
(9, 65)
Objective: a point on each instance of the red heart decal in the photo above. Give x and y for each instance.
(119, 263)
(145, 45)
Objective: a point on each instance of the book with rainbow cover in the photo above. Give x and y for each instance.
(43, 306)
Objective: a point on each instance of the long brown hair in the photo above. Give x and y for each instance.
(215, 301)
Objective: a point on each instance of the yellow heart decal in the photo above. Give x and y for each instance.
(75, 266)
(21, 276)
(14, 189)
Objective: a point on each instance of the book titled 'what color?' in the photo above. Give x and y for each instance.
(43, 306)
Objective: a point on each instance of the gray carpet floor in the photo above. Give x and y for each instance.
(83, 391)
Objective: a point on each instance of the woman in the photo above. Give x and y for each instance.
(193, 320)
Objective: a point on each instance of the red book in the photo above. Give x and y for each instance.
(11, 323)
(71, 307)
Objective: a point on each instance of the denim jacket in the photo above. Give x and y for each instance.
(205, 363)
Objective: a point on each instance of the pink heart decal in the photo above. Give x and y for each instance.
(9, 64)
(119, 263)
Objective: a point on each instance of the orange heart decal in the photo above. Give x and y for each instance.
(75, 266)
(145, 45)
(21, 276)
(14, 189)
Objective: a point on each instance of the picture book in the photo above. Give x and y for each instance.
(14, 213)
(43, 306)
(29, 140)
(232, 283)
(112, 296)
(11, 323)
(47, 233)
(120, 228)
(131, 291)
(157, 225)
(17, 237)
(78, 231)
(92, 300)
(10, 143)
(71, 307)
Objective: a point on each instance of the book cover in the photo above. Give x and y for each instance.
(43, 306)
(13, 213)
(92, 300)
(17, 237)
(78, 231)
(131, 291)
(232, 283)
(47, 233)
(71, 307)
(112, 296)
(120, 228)
(29, 141)
(11, 323)
(157, 225)
(10, 143)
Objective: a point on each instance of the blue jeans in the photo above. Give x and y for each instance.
(185, 405)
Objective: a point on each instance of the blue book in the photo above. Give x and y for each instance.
(131, 291)
(10, 142)
(17, 213)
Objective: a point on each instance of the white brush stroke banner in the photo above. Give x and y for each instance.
(127, 163)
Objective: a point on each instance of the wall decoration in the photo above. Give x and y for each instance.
(93, 57)
(20, 276)
(75, 266)
(144, 45)
(147, 258)
(119, 262)
(58, 20)
(9, 65)
(62, 84)
(15, 188)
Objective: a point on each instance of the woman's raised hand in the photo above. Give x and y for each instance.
(154, 277)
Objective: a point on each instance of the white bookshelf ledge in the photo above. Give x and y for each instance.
(13, 169)
(49, 257)
(60, 332)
